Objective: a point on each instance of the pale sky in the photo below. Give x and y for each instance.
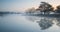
(21, 5)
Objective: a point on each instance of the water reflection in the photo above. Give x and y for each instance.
(21, 23)
(58, 22)
(33, 18)
(45, 22)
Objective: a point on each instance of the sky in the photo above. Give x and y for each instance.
(22, 5)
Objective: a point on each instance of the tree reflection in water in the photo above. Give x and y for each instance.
(45, 22)
(58, 22)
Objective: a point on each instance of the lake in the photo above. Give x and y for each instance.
(20, 23)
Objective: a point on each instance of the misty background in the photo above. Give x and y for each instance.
(15, 16)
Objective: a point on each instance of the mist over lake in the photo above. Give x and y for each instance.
(29, 15)
(20, 23)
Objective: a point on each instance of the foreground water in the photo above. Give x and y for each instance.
(19, 23)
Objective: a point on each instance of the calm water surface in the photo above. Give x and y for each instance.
(19, 23)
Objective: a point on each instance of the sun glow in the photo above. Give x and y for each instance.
(55, 5)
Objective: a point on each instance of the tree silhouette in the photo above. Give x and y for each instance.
(31, 10)
(58, 9)
(45, 7)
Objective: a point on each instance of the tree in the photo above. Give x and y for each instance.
(58, 9)
(45, 7)
(31, 10)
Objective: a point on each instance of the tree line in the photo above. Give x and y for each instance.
(45, 7)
